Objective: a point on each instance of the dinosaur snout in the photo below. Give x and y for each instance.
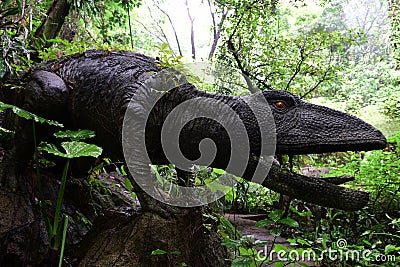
(320, 129)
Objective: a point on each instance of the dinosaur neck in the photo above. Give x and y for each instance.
(211, 129)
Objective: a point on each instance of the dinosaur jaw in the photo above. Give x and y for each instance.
(317, 190)
(323, 192)
(339, 146)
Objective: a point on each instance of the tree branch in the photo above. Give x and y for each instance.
(161, 29)
(323, 79)
(150, 32)
(173, 27)
(298, 66)
(216, 31)
(191, 30)
(245, 72)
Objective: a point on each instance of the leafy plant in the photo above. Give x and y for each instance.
(72, 149)
(55, 233)
(129, 187)
(166, 57)
(366, 84)
(226, 229)
(374, 228)
(248, 197)
(247, 250)
(391, 106)
(27, 115)
(16, 40)
(264, 44)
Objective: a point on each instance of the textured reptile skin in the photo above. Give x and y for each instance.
(92, 91)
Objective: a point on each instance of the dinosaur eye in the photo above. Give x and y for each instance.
(280, 104)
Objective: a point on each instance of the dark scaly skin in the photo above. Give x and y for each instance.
(92, 91)
(297, 186)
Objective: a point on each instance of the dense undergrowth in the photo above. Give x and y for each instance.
(374, 230)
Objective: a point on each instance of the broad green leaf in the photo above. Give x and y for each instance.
(247, 251)
(367, 242)
(75, 149)
(303, 242)
(391, 248)
(158, 252)
(51, 148)
(229, 196)
(28, 115)
(324, 242)
(275, 215)
(164, 46)
(197, 181)
(123, 170)
(290, 222)
(264, 223)
(75, 135)
(108, 161)
(215, 186)
(302, 214)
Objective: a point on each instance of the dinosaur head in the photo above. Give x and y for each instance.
(304, 128)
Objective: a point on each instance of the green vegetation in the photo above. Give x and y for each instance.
(73, 149)
(375, 228)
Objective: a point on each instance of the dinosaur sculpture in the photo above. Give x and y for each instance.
(92, 91)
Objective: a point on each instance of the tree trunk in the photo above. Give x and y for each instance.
(191, 31)
(130, 239)
(51, 25)
(216, 28)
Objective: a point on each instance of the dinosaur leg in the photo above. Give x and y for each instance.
(45, 95)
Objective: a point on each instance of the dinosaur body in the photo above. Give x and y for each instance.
(93, 91)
